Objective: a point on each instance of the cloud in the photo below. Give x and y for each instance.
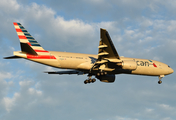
(112, 9)
(10, 102)
(124, 118)
(12, 5)
(166, 107)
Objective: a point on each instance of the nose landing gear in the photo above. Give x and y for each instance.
(159, 82)
(160, 77)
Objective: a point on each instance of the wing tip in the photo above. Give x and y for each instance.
(102, 29)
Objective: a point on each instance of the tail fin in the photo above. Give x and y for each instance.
(28, 43)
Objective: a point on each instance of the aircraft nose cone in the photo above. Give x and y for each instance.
(171, 71)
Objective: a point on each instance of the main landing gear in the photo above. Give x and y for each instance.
(101, 73)
(89, 80)
(160, 77)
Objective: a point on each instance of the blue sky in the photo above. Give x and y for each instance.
(138, 28)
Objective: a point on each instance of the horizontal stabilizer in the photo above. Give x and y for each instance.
(12, 57)
(66, 72)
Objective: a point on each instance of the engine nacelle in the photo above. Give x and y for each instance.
(129, 65)
(106, 78)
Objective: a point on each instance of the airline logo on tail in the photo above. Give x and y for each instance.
(30, 45)
(24, 36)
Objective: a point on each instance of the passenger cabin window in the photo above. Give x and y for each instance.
(79, 58)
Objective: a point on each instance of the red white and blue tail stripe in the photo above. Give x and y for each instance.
(25, 37)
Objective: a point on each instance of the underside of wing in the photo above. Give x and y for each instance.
(66, 72)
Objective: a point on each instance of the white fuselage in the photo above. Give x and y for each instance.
(85, 62)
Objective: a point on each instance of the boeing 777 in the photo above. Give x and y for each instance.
(104, 66)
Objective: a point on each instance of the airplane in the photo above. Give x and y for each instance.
(104, 66)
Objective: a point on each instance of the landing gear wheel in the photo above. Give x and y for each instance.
(89, 81)
(85, 82)
(159, 82)
(93, 80)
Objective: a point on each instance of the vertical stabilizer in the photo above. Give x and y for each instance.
(28, 44)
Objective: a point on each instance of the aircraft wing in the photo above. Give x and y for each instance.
(106, 46)
(66, 72)
(107, 52)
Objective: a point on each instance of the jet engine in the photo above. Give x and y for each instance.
(128, 65)
(106, 78)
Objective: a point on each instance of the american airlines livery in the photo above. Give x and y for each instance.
(104, 66)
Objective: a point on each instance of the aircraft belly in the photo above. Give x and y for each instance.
(74, 60)
(73, 64)
(68, 64)
(143, 70)
(49, 62)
